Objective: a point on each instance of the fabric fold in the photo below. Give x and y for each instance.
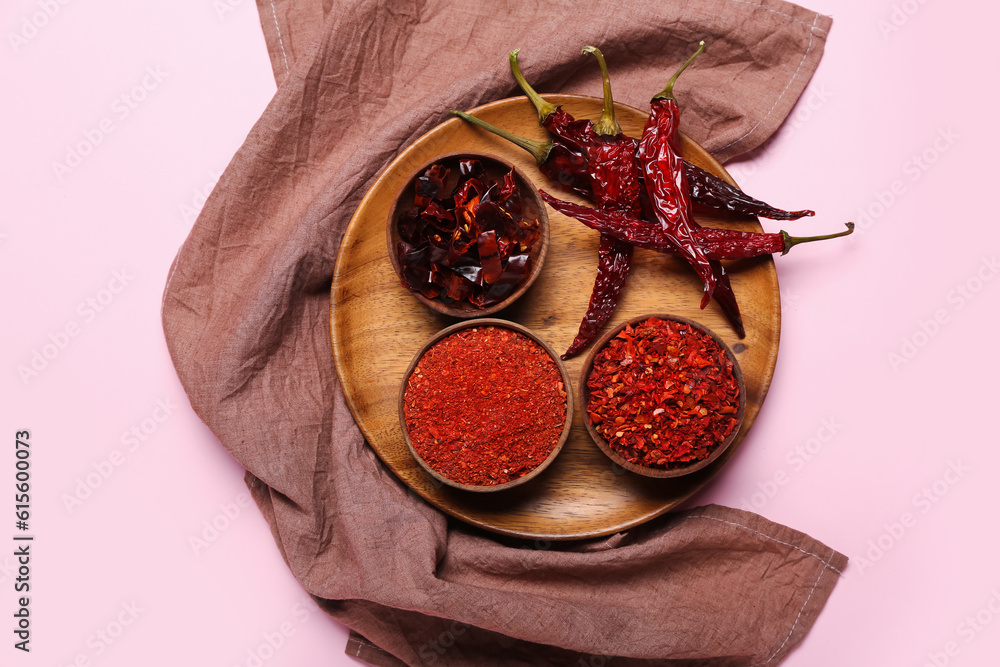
(246, 318)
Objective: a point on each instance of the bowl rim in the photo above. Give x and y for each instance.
(602, 444)
(567, 387)
(524, 183)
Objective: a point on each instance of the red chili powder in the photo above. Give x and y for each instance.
(485, 406)
(663, 394)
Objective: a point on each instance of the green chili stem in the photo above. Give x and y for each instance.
(668, 92)
(795, 240)
(607, 126)
(539, 149)
(543, 108)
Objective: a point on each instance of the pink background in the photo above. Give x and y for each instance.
(873, 438)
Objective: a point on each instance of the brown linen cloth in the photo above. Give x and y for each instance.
(246, 311)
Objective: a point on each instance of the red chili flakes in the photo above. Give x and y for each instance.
(485, 406)
(471, 244)
(663, 394)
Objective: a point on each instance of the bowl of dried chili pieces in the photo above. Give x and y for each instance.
(485, 405)
(663, 396)
(467, 234)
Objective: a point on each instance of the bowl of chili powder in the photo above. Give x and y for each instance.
(485, 405)
(467, 234)
(663, 395)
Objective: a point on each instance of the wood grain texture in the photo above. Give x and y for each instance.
(377, 326)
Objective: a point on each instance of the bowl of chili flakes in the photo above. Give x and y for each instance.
(485, 405)
(467, 234)
(663, 396)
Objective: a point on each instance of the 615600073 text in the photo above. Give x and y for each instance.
(22, 541)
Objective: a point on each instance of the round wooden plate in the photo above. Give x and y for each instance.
(377, 326)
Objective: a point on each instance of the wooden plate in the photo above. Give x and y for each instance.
(377, 327)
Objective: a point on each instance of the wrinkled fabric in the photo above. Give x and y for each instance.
(760, 57)
(246, 317)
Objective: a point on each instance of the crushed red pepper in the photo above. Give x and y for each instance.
(663, 394)
(485, 406)
(470, 246)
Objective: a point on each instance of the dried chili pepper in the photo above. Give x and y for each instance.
(614, 171)
(731, 244)
(660, 158)
(472, 245)
(485, 406)
(717, 243)
(663, 394)
(614, 178)
(710, 192)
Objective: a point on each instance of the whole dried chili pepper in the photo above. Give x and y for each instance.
(666, 184)
(718, 244)
(614, 172)
(614, 177)
(731, 244)
(711, 192)
(723, 292)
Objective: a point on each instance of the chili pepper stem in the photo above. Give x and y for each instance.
(607, 126)
(538, 149)
(668, 92)
(544, 109)
(795, 240)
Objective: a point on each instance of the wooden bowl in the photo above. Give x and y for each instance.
(531, 204)
(567, 423)
(588, 366)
